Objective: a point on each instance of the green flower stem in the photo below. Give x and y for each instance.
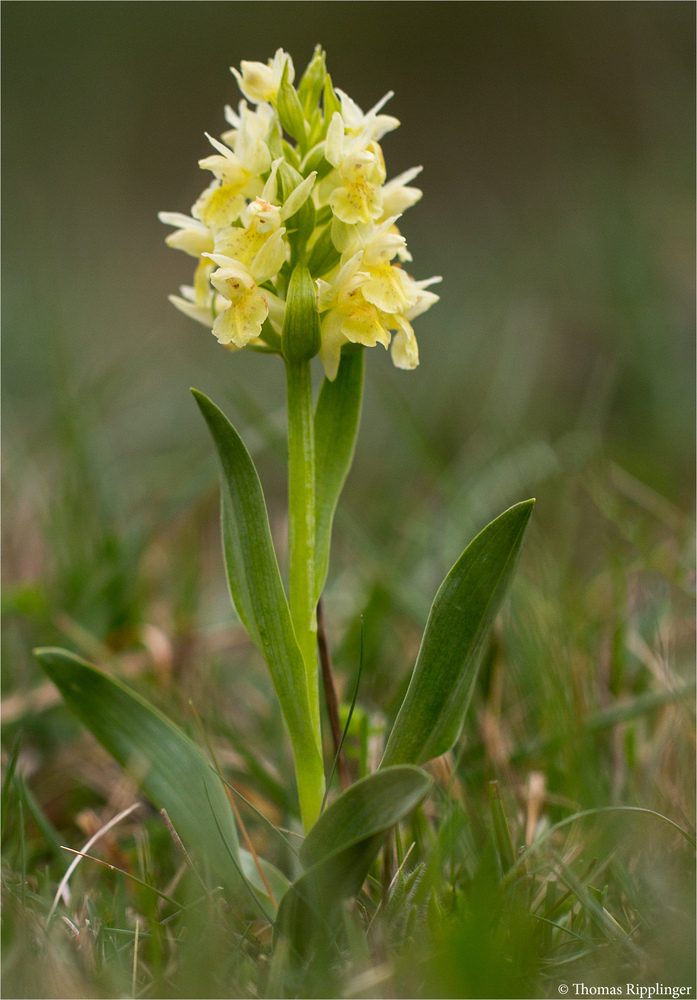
(301, 526)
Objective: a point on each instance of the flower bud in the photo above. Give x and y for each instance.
(290, 110)
(312, 84)
(298, 210)
(300, 337)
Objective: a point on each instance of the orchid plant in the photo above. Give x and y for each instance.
(298, 253)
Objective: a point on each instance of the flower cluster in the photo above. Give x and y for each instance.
(300, 179)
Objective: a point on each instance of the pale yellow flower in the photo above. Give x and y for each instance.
(242, 320)
(249, 134)
(387, 287)
(203, 312)
(260, 82)
(191, 236)
(404, 350)
(236, 180)
(349, 317)
(258, 245)
(353, 301)
(353, 191)
(397, 197)
(370, 123)
(246, 258)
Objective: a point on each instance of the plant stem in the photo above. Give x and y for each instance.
(331, 698)
(301, 523)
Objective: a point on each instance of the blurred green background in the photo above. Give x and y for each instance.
(558, 149)
(558, 142)
(558, 146)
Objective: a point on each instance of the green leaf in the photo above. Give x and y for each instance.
(340, 848)
(372, 805)
(169, 768)
(260, 600)
(337, 418)
(464, 608)
(278, 883)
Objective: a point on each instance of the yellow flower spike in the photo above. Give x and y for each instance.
(342, 227)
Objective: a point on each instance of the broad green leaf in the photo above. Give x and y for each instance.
(372, 805)
(464, 608)
(278, 883)
(337, 418)
(169, 768)
(258, 595)
(340, 848)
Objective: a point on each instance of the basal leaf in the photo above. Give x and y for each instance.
(340, 848)
(278, 883)
(464, 608)
(337, 417)
(169, 768)
(259, 597)
(372, 805)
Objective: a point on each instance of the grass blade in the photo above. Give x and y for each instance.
(9, 775)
